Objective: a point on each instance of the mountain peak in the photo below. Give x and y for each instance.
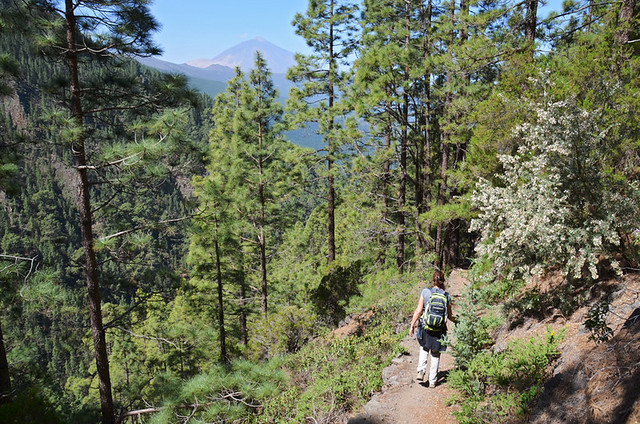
(244, 55)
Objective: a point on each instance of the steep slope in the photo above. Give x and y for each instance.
(590, 382)
(596, 382)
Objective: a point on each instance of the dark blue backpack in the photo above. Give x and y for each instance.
(434, 316)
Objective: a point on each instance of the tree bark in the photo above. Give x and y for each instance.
(261, 236)
(442, 195)
(404, 139)
(244, 332)
(5, 379)
(625, 20)
(86, 223)
(402, 190)
(445, 140)
(423, 169)
(222, 332)
(331, 195)
(531, 22)
(450, 255)
(386, 168)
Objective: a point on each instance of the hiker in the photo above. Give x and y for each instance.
(431, 314)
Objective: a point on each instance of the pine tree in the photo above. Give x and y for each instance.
(329, 28)
(78, 32)
(5, 379)
(259, 132)
(247, 181)
(8, 170)
(381, 92)
(9, 69)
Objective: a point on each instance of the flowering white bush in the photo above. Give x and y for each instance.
(557, 204)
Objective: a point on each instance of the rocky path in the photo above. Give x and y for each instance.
(404, 400)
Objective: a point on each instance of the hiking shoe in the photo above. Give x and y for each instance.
(420, 376)
(432, 385)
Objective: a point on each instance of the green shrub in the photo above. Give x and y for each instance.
(329, 377)
(475, 317)
(494, 386)
(284, 331)
(472, 332)
(333, 377)
(499, 290)
(29, 407)
(339, 283)
(596, 322)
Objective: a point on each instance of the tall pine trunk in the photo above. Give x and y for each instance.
(244, 332)
(222, 333)
(625, 19)
(423, 166)
(86, 222)
(442, 197)
(530, 24)
(419, 194)
(384, 216)
(404, 144)
(261, 235)
(402, 189)
(451, 248)
(445, 143)
(331, 195)
(5, 379)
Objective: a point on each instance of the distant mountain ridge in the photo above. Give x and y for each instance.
(244, 55)
(221, 68)
(210, 76)
(213, 72)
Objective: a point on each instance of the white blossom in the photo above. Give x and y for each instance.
(556, 206)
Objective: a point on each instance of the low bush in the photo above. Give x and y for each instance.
(282, 332)
(227, 393)
(472, 332)
(494, 386)
(475, 315)
(333, 377)
(329, 377)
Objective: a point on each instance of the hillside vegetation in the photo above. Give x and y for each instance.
(166, 257)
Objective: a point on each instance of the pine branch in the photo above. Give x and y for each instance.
(131, 308)
(146, 226)
(20, 258)
(138, 412)
(142, 336)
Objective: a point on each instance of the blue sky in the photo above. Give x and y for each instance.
(196, 29)
(202, 29)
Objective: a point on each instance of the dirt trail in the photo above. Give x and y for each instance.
(404, 400)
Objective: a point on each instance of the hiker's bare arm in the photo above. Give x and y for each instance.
(416, 314)
(450, 313)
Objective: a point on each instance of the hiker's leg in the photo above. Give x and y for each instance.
(433, 370)
(422, 360)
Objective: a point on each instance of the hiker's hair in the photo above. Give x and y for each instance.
(438, 279)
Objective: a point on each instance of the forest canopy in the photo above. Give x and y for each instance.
(168, 256)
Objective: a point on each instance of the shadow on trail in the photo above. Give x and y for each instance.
(365, 420)
(443, 376)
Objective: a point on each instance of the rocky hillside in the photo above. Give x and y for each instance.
(593, 382)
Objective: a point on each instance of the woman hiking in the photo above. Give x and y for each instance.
(434, 306)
